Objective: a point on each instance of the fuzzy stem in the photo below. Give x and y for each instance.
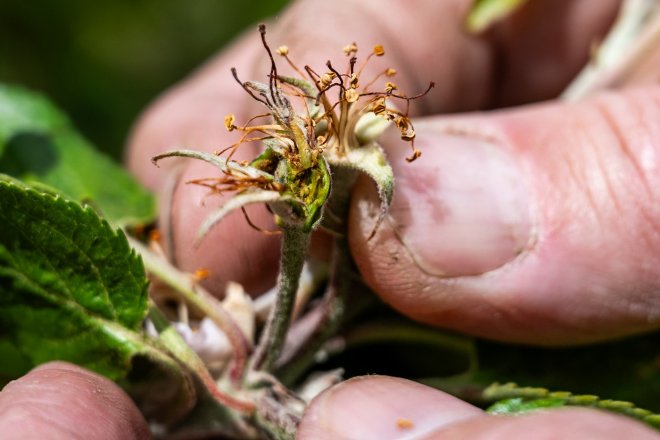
(332, 313)
(275, 419)
(295, 242)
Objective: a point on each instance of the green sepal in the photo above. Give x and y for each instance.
(248, 197)
(371, 161)
(220, 162)
(267, 161)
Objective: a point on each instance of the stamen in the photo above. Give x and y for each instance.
(387, 72)
(283, 51)
(247, 123)
(351, 95)
(244, 139)
(332, 69)
(229, 122)
(201, 274)
(350, 49)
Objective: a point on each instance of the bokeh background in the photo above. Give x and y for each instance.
(103, 61)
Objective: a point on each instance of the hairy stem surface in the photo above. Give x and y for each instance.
(295, 242)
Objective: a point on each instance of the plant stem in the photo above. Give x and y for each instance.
(201, 299)
(178, 347)
(295, 242)
(331, 313)
(275, 416)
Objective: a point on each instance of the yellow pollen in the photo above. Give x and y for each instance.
(350, 49)
(352, 95)
(229, 122)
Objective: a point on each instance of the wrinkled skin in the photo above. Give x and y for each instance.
(536, 224)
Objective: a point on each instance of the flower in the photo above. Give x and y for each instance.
(315, 120)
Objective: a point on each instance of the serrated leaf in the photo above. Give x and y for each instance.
(484, 13)
(72, 289)
(513, 399)
(518, 405)
(39, 145)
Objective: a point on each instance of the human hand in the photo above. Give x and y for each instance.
(537, 224)
(59, 401)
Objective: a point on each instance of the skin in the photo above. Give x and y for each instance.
(560, 244)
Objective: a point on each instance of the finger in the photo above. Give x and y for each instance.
(391, 408)
(381, 407)
(61, 401)
(192, 115)
(554, 424)
(534, 53)
(544, 45)
(535, 225)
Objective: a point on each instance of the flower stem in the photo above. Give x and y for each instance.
(295, 242)
(331, 314)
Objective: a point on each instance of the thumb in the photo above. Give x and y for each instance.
(382, 407)
(534, 225)
(62, 401)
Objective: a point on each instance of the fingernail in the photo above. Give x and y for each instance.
(463, 207)
(381, 407)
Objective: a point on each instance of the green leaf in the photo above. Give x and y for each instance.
(484, 13)
(39, 145)
(513, 399)
(70, 286)
(72, 289)
(517, 405)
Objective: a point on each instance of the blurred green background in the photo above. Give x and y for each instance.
(104, 61)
